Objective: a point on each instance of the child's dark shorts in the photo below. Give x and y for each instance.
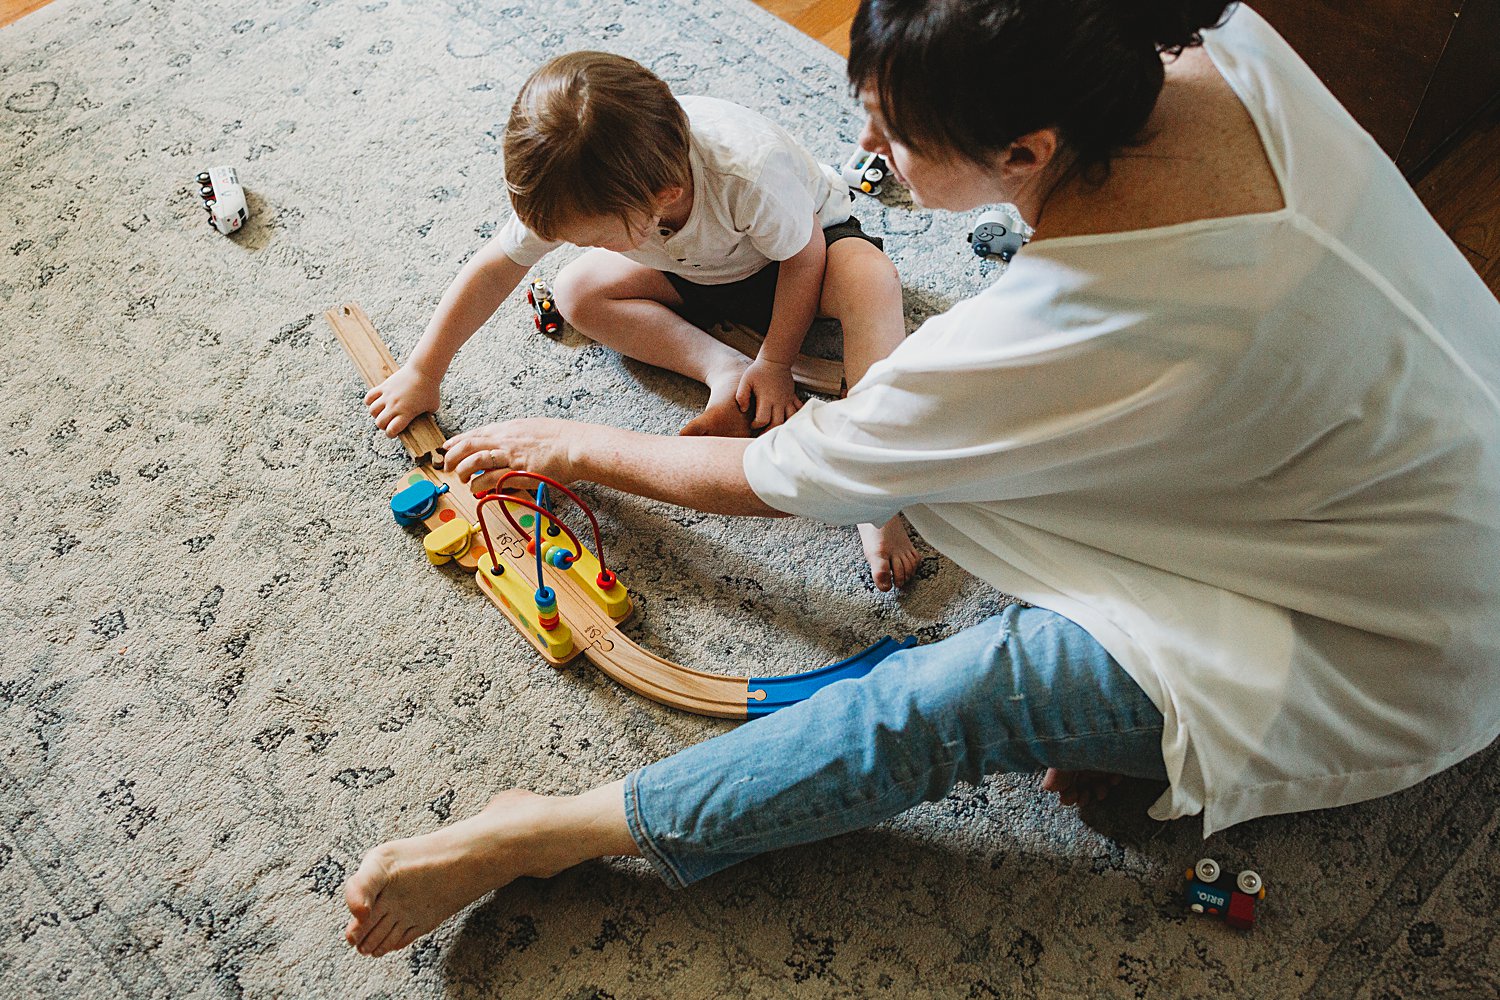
(748, 301)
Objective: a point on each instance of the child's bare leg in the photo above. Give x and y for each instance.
(405, 888)
(863, 292)
(627, 306)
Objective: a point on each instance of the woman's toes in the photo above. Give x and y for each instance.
(388, 943)
(375, 934)
(405, 938)
(356, 897)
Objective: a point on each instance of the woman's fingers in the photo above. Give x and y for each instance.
(461, 446)
(487, 481)
(472, 463)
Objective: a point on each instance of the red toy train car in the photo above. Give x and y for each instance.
(548, 319)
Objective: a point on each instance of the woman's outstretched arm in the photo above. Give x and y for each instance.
(704, 473)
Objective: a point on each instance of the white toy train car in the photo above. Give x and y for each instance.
(224, 198)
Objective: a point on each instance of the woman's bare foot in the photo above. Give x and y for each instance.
(722, 416)
(1079, 787)
(405, 888)
(892, 557)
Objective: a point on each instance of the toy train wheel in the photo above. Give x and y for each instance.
(530, 298)
(1207, 870)
(538, 321)
(1249, 882)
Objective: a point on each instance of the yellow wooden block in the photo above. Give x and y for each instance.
(516, 594)
(585, 569)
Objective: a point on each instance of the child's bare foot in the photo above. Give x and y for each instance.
(722, 416)
(405, 888)
(892, 557)
(1079, 787)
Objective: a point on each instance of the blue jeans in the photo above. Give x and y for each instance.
(1025, 690)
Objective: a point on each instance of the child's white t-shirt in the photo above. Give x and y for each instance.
(755, 193)
(1257, 458)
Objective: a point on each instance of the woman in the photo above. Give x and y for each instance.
(1230, 423)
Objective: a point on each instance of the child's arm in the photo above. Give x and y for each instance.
(482, 284)
(768, 380)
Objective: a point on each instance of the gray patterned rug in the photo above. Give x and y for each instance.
(227, 673)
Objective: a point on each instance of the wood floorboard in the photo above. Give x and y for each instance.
(14, 10)
(1463, 194)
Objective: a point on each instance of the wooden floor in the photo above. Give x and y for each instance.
(1462, 191)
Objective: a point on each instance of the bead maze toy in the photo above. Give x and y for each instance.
(561, 596)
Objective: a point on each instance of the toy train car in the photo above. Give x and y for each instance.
(1211, 890)
(864, 171)
(219, 187)
(1000, 233)
(548, 319)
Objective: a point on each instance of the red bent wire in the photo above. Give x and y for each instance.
(495, 556)
(604, 572)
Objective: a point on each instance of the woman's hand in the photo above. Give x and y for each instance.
(769, 387)
(402, 398)
(535, 444)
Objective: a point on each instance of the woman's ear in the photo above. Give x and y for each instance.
(1029, 155)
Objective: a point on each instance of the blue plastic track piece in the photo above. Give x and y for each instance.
(784, 691)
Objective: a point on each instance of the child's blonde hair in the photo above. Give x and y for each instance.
(592, 134)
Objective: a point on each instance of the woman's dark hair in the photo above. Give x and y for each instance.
(972, 76)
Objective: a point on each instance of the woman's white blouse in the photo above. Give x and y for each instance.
(1258, 458)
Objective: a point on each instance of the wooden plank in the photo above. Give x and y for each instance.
(13, 10)
(825, 21)
(838, 38)
(1463, 194)
(1467, 77)
(1352, 43)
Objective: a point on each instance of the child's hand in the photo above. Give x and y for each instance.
(769, 385)
(402, 398)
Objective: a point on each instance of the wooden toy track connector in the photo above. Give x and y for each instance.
(587, 616)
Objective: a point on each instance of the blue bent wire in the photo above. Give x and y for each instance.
(536, 542)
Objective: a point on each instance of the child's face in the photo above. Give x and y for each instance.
(609, 232)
